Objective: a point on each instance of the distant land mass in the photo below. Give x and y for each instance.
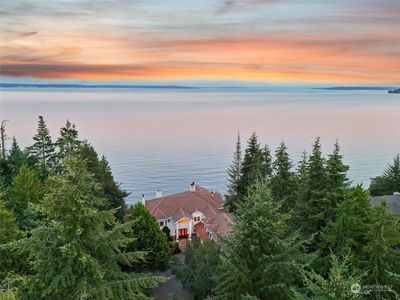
(91, 86)
(394, 91)
(355, 88)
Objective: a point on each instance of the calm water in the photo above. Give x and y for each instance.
(167, 139)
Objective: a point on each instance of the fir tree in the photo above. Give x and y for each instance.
(43, 148)
(343, 282)
(383, 253)
(234, 173)
(74, 255)
(68, 142)
(109, 188)
(389, 182)
(148, 237)
(262, 256)
(283, 181)
(314, 203)
(348, 232)
(337, 181)
(25, 190)
(267, 162)
(252, 167)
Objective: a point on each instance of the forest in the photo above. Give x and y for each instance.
(303, 229)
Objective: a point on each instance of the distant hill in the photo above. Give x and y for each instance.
(355, 88)
(394, 91)
(91, 86)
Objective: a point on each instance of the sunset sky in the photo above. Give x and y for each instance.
(254, 41)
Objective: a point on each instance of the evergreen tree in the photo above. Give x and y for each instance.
(314, 203)
(342, 283)
(234, 172)
(262, 256)
(283, 181)
(109, 188)
(74, 255)
(252, 167)
(148, 237)
(337, 181)
(16, 158)
(268, 170)
(348, 232)
(12, 261)
(68, 142)
(383, 252)
(25, 190)
(198, 268)
(389, 182)
(43, 148)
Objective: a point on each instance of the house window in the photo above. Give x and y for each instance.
(162, 223)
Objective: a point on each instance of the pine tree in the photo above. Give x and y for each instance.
(148, 237)
(383, 252)
(348, 232)
(389, 182)
(234, 172)
(74, 255)
(283, 181)
(262, 256)
(342, 283)
(252, 166)
(25, 190)
(43, 148)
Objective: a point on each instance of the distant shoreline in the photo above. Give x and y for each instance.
(355, 88)
(92, 86)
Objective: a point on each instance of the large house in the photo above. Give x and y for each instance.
(194, 212)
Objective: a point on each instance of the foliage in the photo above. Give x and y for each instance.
(25, 190)
(348, 231)
(283, 180)
(383, 252)
(74, 256)
(167, 232)
(102, 172)
(389, 182)
(148, 237)
(234, 173)
(340, 284)
(43, 148)
(262, 256)
(199, 265)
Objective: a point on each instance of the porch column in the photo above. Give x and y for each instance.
(177, 231)
(190, 230)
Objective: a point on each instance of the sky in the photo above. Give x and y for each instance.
(347, 42)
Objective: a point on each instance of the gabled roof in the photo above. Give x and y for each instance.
(221, 224)
(393, 201)
(185, 204)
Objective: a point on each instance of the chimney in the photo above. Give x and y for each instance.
(143, 199)
(158, 193)
(192, 187)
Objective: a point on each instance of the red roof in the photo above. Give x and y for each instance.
(185, 204)
(221, 224)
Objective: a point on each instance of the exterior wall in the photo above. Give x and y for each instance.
(169, 223)
(198, 214)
